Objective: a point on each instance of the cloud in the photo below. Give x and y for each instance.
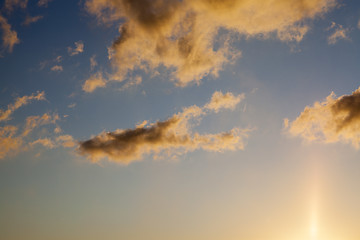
(11, 4)
(29, 20)
(171, 138)
(333, 120)
(19, 102)
(9, 144)
(9, 37)
(339, 32)
(95, 81)
(43, 3)
(227, 101)
(93, 62)
(33, 122)
(57, 68)
(193, 39)
(46, 142)
(79, 48)
(66, 141)
(132, 82)
(15, 139)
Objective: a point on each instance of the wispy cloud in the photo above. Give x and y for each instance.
(79, 48)
(184, 36)
(332, 120)
(171, 137)
(339, 33)
(29, 20)
(93, 62)
(11, 4)
(57, 68)
(19, 102)
(9, 36)
(43, 3)
(95, 81)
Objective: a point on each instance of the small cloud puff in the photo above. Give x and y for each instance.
(79, 48)
(339, 32)
(171, 137)
(29, 20)
(57, 68)
(95, 81)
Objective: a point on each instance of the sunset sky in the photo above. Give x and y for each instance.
(180, 119)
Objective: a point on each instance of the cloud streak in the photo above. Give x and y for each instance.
(21, 101)
(171, 138)
(193, 39)
(330, 121)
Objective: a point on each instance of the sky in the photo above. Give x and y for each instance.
(169, 119)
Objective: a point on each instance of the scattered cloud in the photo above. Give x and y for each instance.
(57, 68)
(171, 137)
(72, 105)
(33, 122)
(132, 82)
(11, 4)
(46, 142)
(333, 120)
(79, 48)
(19, 102)
(9, 36)
(185, 37)
(9, 143)
(66, 141)
(95, 81)
(339, 32)
(93, 62)
(29, 20)
(220, 101)
(43, 3)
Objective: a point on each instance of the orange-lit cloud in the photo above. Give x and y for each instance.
(170, 138)
(57, 68)
(43, 3)
(79, 48)
(95, 81)
(33, 122)
(339, 32)
(185, 37)
(29, 20)
(15, 139)
(9, 143)
(9, 36)
(21, 101)
(220, 100)
(333, 120)
(11, 4)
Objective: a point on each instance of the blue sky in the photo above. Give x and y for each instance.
(214, 81)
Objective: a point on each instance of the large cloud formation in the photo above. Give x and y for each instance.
(171, 137)
(192, 39)
(333, 120)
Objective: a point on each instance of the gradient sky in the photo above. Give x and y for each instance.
(169, 119)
